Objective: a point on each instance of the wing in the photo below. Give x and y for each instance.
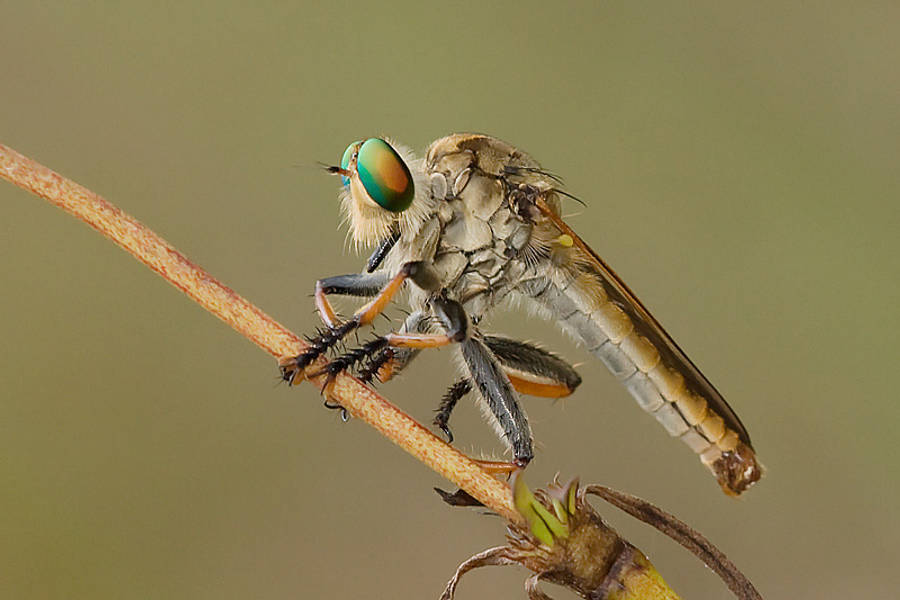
(655, 370)
(570, 282)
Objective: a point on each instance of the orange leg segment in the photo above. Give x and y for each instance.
(291, 367)
(326, 312)
(542, 389)
(367, 313)
(418, 340)
(497, 467)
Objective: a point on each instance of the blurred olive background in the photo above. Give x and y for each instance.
(740, 166)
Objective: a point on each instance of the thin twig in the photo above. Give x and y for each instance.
(361, 401)
(248, 320)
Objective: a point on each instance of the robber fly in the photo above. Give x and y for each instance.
(478, 221)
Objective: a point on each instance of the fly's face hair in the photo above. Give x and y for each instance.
(384, 189)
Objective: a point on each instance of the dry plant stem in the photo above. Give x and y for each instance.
(361, 401)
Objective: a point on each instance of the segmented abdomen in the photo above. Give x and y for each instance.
(656, 373)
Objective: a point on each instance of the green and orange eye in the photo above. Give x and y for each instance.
(383, 174)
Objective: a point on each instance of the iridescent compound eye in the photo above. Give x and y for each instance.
(345, 159)
(384, 175)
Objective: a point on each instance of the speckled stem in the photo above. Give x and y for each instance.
(253, 324)
(265, 332)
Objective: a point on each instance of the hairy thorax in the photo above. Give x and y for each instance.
(480, 246)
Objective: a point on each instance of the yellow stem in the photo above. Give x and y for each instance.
(641, 582)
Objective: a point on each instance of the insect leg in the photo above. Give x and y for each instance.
(390, 361)
(383, 348)
(484, 368)
(452, 316)
(382, 250)
(488, 376)
(448, 402)
(424, 276)
(366, 284)
(352, 358)
(501, 398)
(355, 284)
(420, 272)
(533, 370)
(345, 416)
